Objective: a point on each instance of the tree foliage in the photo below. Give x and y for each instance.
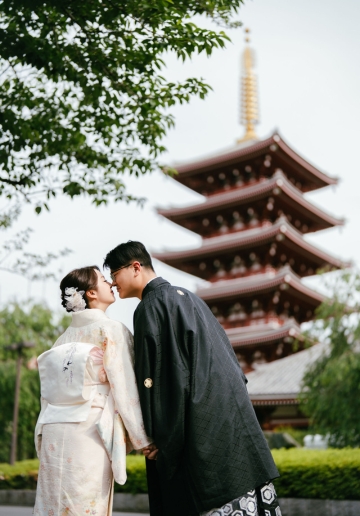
(29, 322)
(14, 258)
(82, 97)
(37, 324)
(331, 386)
(29, 408)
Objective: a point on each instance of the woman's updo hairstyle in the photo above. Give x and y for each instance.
(83, 279)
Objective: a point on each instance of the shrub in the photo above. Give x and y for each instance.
(23, 475)
(325, 474)
(136, 476)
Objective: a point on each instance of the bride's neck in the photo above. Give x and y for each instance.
(99, 306)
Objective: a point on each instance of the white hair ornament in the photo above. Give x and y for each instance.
(74, 299)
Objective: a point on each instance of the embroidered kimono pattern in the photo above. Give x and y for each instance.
(79, 460)
(262, 501)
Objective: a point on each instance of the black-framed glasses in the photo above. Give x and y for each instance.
(119, 269)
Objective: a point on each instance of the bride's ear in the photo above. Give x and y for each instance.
(91, 295)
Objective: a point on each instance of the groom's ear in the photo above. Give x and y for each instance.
(137, 267)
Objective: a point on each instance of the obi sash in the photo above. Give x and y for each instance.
(62, 376)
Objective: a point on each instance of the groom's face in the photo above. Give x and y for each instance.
(124, 280)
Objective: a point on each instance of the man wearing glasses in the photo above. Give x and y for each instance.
(211, 455)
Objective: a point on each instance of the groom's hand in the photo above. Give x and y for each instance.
(151, 451)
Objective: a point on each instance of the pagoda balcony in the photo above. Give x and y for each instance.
(252, 206)
(236, 227)
(255, 345)
(275, 321)
(241, 271)
(250, 252)
(247, 163)
(281, 296)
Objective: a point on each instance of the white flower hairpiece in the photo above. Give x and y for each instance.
(74, 299)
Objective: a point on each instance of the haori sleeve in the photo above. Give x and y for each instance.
(118, 348)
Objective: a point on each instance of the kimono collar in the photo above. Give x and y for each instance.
(87, 316)
(155, 283)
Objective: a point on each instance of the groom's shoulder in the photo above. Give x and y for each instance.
(167, 295)
(181, 294)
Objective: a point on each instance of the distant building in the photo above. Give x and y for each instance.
(254, 255)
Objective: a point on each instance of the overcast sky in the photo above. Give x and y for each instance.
(307, 64)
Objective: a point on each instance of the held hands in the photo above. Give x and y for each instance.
(150, 451)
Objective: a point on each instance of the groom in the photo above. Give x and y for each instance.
(210, 450)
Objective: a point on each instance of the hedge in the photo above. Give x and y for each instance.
(325, 474)
(23, 475)
(136, 476)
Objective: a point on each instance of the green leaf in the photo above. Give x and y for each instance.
(82, 93)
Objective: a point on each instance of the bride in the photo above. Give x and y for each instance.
(90, 412)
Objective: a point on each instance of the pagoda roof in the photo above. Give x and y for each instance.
(280, 381)
(264, 334)
(235, 242)
(251, 193)
(313, 176)
(260, 284)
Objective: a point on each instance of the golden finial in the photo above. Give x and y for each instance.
(249, 103)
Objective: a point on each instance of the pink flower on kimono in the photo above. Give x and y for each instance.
(102, 375)
(97, 356)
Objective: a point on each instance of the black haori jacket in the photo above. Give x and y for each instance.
(195, 406)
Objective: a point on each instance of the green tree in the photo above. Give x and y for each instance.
(29, 408)
(25, 322)
(14, 257)
(81, 92)
(331, 387)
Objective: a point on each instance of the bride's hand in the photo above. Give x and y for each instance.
(150, 451)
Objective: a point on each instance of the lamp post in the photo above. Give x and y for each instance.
(18, 347)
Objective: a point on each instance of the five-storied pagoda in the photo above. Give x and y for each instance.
(252, 223)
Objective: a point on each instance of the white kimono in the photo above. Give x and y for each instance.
(91, 419)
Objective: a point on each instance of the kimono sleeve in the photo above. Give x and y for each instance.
(39, 426)
(119, 366)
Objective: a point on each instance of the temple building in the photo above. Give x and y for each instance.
(253, 253)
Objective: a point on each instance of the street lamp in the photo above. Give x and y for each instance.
(18, 347)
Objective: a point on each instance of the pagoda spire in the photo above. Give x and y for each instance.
(249, 116)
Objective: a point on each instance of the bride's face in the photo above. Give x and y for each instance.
(104, 293)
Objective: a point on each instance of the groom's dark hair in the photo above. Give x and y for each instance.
(126, 253)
